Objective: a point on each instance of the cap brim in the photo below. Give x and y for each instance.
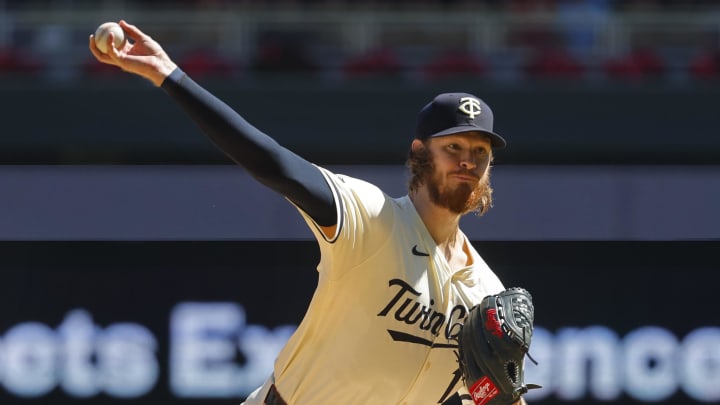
(496, 140)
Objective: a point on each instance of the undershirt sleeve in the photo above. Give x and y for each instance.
(271, 164)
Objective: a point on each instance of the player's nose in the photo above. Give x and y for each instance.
(467, 161)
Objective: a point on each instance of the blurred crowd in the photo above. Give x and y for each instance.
(565, 50)
(510, 5)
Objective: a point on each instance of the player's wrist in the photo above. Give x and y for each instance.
(162, 71)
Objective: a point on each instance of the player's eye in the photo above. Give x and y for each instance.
(481, 152)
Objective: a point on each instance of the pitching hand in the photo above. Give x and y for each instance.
(141, 55)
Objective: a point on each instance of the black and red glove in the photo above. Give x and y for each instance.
(492, 345)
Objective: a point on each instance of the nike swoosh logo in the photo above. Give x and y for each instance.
(416, 252)
(408, 338)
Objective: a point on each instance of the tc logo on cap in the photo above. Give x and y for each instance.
(470, 107)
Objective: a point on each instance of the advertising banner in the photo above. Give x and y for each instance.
(200, 322)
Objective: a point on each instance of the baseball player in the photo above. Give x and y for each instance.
(397, 276)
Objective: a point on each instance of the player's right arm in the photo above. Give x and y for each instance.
(273, 165)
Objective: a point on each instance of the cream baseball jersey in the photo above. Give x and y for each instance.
(381, 324)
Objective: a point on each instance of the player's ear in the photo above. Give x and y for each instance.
(417, 145)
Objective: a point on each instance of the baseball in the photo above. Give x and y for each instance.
(102, 32)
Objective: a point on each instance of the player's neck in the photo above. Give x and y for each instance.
(444, 227)
(442, 224)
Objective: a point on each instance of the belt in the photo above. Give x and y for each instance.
(273, 397)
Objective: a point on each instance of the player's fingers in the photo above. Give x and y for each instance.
(132, 31)
(96, 52)
(114, 56)
(112, 52)
(93, 48)
(110, 41)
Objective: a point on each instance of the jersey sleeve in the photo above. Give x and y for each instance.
(365, 218)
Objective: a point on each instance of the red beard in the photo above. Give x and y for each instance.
(463, 198)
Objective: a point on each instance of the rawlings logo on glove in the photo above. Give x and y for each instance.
(492, 345)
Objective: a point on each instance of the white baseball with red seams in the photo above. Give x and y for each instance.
(103, 31)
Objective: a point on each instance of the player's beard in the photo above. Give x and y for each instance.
(464, 198)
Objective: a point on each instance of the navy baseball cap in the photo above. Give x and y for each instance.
(452, 113)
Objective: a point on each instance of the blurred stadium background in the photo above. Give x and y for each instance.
(134, 251)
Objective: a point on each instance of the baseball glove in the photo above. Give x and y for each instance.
(492, 345)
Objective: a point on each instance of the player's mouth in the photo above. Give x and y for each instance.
(470, 178)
